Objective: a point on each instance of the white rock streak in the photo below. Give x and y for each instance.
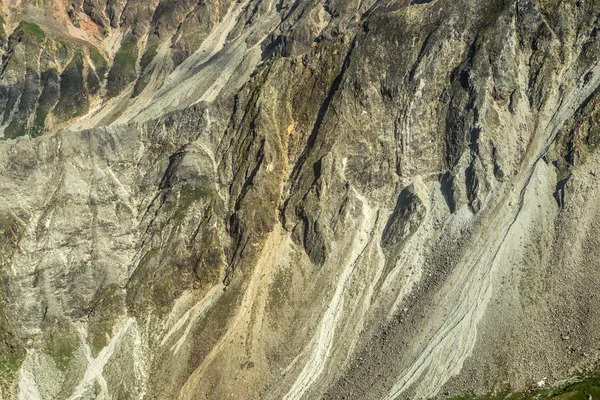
(190, 317)
(95, 368)
(466, 302)
(28, 389)
(323, 341)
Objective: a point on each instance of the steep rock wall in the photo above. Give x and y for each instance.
(336, 199)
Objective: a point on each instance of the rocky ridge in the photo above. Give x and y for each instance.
(297, 199)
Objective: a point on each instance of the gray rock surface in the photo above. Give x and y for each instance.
(267, 199)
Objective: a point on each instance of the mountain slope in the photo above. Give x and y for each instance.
(297, 199)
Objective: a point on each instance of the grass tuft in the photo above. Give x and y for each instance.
(31, 31)
(99, 61)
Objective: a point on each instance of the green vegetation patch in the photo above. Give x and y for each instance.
(2, 31)
(125, 57)
(39, 122)
(15, 129)
(48, 98)
(100, 63)
(582, 387)
(190, 196)
(60, 341)
(93, 82)
(12, 227)
(153, 287)
(137, 286)
(123, 70)
(593, 137)
(144, 80)
(12, 351)
(64, 44)
(144, 262)
(11, 358)
(148, 56)
(493, 12)
(140, 85)
(107, 307)
(74, 99)
(30, 31)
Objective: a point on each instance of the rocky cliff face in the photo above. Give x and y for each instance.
(332, 199)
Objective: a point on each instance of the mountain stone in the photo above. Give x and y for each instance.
(281, 199)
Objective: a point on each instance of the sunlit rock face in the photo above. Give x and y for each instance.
(277, 199)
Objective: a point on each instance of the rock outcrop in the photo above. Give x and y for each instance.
(332, 199)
